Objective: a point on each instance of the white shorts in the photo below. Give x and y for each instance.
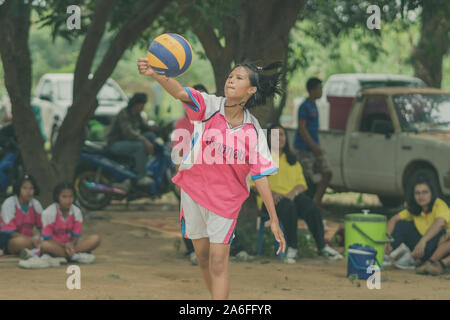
(198, 222)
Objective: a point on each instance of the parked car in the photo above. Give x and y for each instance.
(54, 96)
(392, 136)
(6, 113)
(340, 90)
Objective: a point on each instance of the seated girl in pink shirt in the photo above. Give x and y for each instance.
(62, 223)
(20, 214)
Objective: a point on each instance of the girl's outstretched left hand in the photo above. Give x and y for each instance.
(279, 236)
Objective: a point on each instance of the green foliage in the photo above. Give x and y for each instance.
(306, 244)
(348, 53)
(55, 16)
(353, 278)
(217, 13)
(330, 37)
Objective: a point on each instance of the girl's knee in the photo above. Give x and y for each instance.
(96, 240)
(19, 243)
(45, 245)
(286, 205)
(203, 259)
(15, 241)
(218, 265)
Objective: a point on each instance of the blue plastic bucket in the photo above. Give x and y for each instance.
(360, 259)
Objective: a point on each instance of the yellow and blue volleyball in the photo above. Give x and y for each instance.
(170, 54)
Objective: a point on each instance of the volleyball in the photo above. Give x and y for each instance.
(169, 54)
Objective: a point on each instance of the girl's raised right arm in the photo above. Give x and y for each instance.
(172, 86)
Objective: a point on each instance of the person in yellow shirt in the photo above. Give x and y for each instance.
(288, 187)
(420, 227)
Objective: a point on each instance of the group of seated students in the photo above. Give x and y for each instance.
(421, 232)
(288, 189)
(58, 236)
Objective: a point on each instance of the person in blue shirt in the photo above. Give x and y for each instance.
(306, 141)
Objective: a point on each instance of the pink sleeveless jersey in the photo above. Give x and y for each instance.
(216, 171)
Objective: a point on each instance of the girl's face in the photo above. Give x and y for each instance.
(422, 194)
(66, 199)
(237, 86)
(27, 191)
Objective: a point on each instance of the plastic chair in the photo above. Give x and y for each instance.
(264, 216)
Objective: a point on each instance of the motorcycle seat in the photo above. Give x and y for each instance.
(95, 147)
(102, 149)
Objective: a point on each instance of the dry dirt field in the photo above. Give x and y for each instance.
(141, 263)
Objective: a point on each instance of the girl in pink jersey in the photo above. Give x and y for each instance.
(20, 214)
(214, 174)
(62, 223)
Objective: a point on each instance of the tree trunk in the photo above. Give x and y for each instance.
(259, 34)
(72, 133)
(219, 56)
(428, 55)
(278, 110)
(16, 59)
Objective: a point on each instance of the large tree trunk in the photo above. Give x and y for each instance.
(219, 56)
(259, 34)
(14, 31)
(428, 55)
(72, 133)
(16, 58)
(264, 37)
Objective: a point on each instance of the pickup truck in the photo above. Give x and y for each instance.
(340, 89)
(392, 135)
(53, 96)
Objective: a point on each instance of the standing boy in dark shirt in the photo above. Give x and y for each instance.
(306, 141)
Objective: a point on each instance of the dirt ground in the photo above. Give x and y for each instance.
(138, 263)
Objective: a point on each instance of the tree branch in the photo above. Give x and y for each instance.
(91, 42)
(205, 32)
(85, 102)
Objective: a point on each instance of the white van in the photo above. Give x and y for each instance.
(340, 90)
(53, 96)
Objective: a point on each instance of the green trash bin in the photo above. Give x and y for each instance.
(366, 229)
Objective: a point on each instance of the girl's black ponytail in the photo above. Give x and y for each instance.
(267, 84)
(273, 65)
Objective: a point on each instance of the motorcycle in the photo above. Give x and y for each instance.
(102, 176)
(11, 165)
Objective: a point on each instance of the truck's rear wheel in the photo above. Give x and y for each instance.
(390, 202)
(89, 199)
